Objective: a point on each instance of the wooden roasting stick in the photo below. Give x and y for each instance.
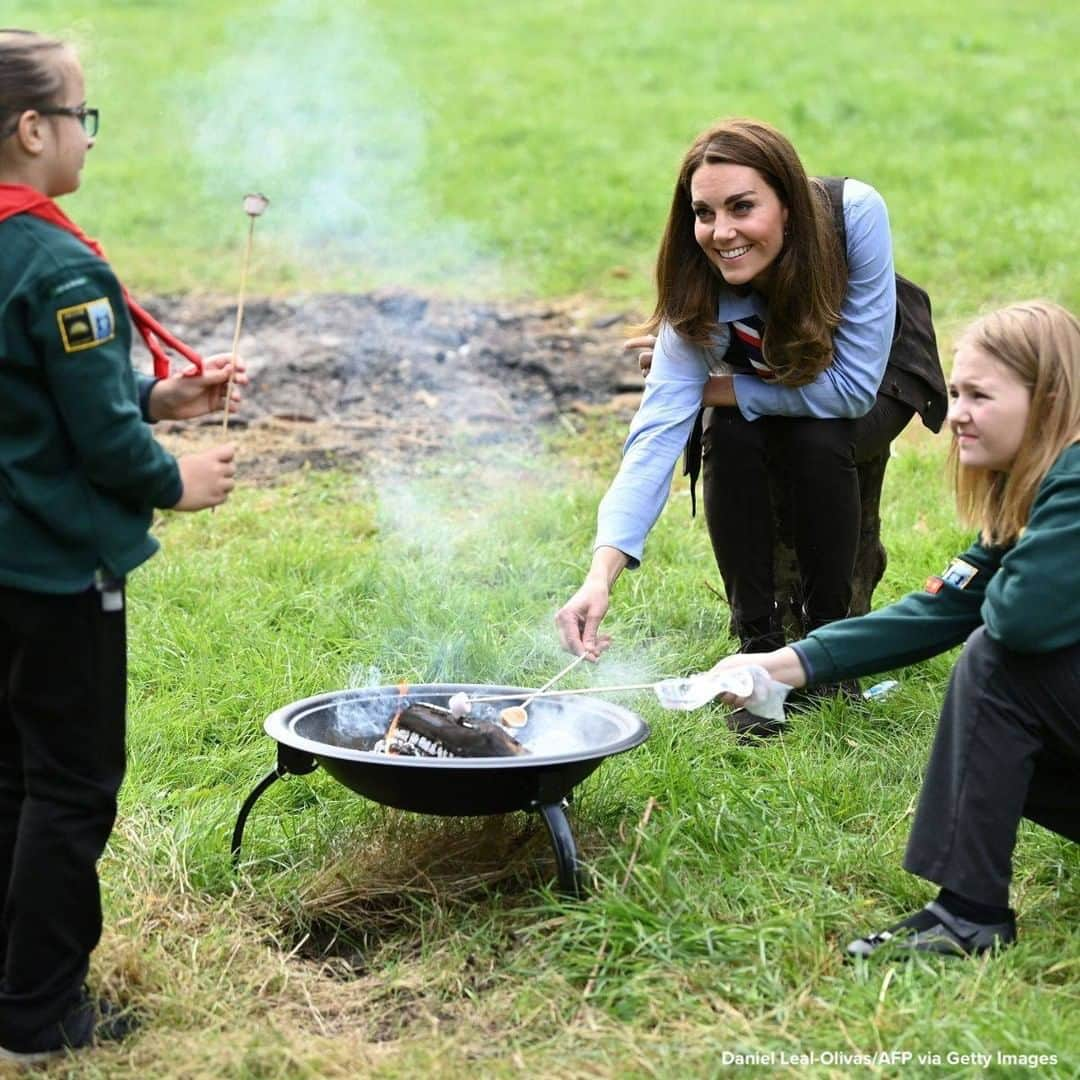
(569, 693)
(515, 715)
(254, 205)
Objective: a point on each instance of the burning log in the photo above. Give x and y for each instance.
(429, 731)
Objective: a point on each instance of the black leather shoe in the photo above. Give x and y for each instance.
(936, 930)
(750, 727)
(810, 697)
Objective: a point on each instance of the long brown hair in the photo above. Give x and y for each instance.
(807, 279)
(30, 75)
(1039, 342)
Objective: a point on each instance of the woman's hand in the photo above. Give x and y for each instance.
(182, 397)
(719, 390)
(644, 346)
(578, 621)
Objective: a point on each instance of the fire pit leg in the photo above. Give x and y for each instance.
(290, 761)
(241, 821)
(562, 840)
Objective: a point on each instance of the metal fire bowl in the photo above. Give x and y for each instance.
(567, 738)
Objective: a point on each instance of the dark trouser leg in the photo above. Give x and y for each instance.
(738, 513)
(1007, 746)
(11, 778)
(820, 456)
(65, 698)
(874, 434)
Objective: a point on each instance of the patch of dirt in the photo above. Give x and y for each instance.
(339, 380)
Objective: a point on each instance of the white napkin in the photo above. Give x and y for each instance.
(765, 695)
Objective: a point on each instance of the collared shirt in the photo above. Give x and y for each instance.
(673, 389)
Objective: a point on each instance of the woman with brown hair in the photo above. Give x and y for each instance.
(1008, 742)
(784, 333)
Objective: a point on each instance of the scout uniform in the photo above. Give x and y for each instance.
(80, 476)
(1008, 744)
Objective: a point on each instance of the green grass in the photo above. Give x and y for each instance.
(529, 150)
(490, 147)
(712, 927)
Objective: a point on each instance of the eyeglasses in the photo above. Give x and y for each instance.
(87, 117)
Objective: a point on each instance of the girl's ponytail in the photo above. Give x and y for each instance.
(30, 76)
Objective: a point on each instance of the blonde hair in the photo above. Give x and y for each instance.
(1039, 342)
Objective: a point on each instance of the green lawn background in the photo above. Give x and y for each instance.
(528, 151)
(532, 148)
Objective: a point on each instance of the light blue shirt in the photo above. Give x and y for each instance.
(674, 386)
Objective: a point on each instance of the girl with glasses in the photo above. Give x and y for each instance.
(80, 477)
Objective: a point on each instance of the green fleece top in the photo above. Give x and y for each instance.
(80, 471)
(1027, 596)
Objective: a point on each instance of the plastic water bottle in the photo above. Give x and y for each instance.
(880, 690)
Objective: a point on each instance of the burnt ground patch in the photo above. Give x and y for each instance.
(338, 380)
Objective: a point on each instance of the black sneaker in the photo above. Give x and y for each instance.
(28, 1057)
(936, 930)
(89, 1023)
(114, 1023)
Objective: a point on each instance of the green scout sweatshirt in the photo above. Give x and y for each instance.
(1027, 596)
(80, 471)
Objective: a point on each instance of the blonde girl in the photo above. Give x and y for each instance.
(1008, 742)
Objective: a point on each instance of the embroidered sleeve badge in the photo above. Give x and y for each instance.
(959, 574)
(86, 326)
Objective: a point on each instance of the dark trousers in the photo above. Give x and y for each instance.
(1007, 747)
(816, 461)
(62, 701)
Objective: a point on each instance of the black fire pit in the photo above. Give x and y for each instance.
(567, 738)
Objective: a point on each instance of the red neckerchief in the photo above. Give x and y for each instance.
(21, 199)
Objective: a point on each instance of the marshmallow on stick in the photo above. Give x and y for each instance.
(255, 205)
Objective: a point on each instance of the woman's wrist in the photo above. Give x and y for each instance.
(607, 564)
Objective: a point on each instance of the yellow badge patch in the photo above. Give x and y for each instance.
(86, 326)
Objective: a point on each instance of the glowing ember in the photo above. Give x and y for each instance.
(391, 731)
